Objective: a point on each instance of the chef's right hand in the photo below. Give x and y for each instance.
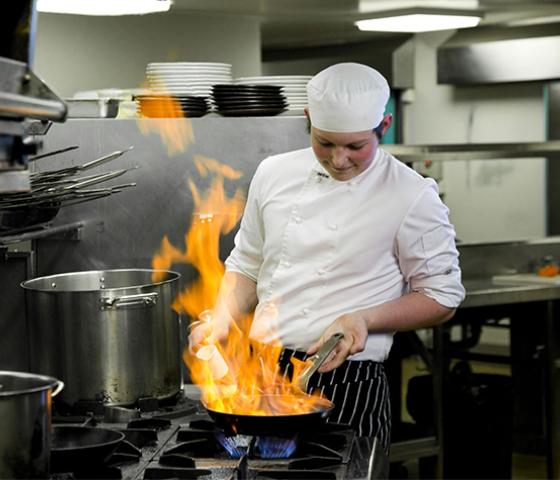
(207, 330)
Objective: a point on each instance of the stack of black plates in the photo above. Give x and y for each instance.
(248, 100)
(170, 106)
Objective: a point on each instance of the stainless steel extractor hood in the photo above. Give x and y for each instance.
(500, 54)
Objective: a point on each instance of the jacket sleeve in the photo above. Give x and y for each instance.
(246, 256)
(426, 249)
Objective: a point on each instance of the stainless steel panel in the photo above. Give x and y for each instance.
(14, 181)
(14, 351)
(393, 57)
(500, 59)
(125, 230)
(101, 108)
(553, 168)
(553, 111)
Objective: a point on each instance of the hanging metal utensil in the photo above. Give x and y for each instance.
(104, 159)
(51, 190)
(101, 178)
(54, 152)
(52, 194)
(80, 168)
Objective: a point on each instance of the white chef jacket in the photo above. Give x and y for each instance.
(319, 248)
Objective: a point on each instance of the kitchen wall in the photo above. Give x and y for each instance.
(76, 52)
(489, 200)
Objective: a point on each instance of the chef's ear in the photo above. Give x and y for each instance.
(306, 111)
(386, 123)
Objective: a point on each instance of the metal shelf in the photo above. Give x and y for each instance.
(475, 151)
(414, 448)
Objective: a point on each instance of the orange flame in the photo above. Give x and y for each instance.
(173, 128)
(239, 375)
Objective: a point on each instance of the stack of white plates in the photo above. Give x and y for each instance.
(187, 78)
(293, 88)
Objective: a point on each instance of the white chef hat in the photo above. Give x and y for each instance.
(347, 97)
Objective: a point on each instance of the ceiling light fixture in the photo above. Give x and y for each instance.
(103, 7)
(416, 20)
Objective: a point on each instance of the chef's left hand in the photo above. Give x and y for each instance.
(354, 328)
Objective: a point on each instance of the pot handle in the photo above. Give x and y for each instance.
(58, 388)
(124, 301)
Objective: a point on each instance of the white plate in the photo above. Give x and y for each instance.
(276, 77)
(190, 71)
(278, 80)
(174, 88)
(209, 83)
(184, 91)
(198, 64)
(279, 84)
(190, 65)
(188, 74)
(295, 93)
(188, 77)
(187, 82)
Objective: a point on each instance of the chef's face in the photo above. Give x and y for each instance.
(346, 155)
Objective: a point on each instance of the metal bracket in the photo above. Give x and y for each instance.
(74, 235)
(72, 232)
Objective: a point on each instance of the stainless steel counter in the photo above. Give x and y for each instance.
(484, 292)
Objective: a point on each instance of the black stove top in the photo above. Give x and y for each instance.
(180, 440)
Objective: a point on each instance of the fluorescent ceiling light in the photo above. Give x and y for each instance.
(419, 20)
(533, 21)
(370, 6)
(103, 7)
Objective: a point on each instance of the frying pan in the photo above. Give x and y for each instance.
(76, 448)
(284, 425)
(281, 425)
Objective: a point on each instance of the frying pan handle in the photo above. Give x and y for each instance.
(318, 359)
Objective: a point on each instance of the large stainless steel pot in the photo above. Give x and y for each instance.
(110, 335)
(25, 424)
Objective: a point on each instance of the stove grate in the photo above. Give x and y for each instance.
(160, 473)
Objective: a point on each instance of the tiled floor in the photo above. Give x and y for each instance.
(524, 467)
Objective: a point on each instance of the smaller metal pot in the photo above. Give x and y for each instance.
(25, 419)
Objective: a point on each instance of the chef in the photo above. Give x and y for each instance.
(342, 237)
